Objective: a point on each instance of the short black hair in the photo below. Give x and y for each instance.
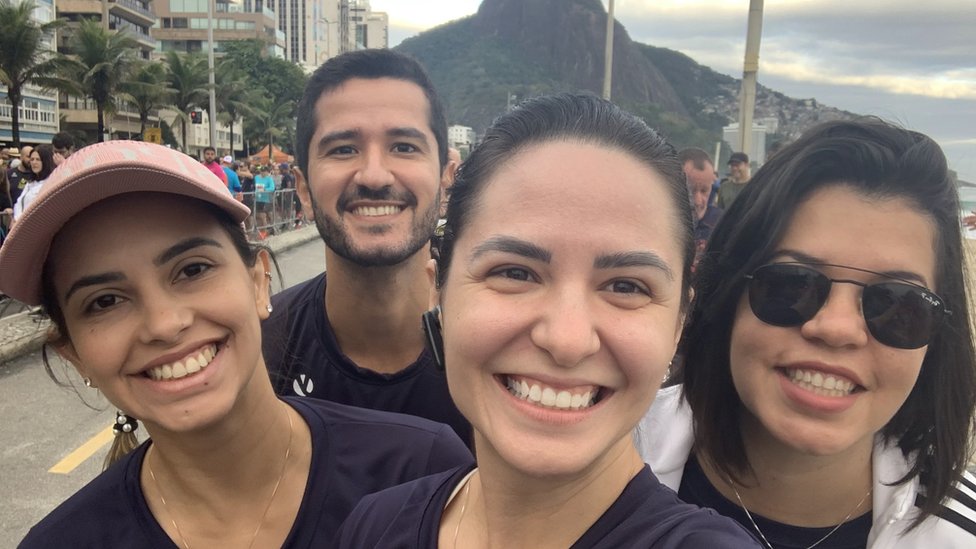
(576, 117)
(63, 140)
(209, 148)
(367, 64)
(880, 161)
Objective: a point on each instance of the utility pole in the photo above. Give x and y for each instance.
(608, 54)
(747, 95)
(213, 83)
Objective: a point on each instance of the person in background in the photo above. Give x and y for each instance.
(264, 187)
(20, 174)
(372, 151)
(210, 161)
(558, 302)
(41, 165)
(6, 206)
(700, 174)
(64, 146)
(233, 181)
(739, 175)
(163, 319)
(828, 393)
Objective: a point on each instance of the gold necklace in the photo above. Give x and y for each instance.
(464, 505)
(254, 536)
(818, 542)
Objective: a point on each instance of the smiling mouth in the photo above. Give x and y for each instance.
(377, 211)
(187, 366)
(544, 396)
(819, 383)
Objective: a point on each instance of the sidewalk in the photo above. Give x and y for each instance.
(24, 333)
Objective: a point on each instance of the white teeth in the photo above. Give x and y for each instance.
(180, 369)
(548, 397)
(373, 211)
(818, 383)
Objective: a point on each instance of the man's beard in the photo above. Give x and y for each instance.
(339, 241)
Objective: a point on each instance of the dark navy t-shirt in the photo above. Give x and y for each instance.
(646, 514)
(696, 488)
(354, 452)
(304, 359)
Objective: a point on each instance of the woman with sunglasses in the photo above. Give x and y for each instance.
(827, 396)
(137, 254)
(561, 289)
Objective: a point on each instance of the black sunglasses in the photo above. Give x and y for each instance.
(898, 313)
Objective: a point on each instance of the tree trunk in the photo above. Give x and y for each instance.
(231, 128)
(143, 119)
(270, 149)
(13, 95)
(101, 122)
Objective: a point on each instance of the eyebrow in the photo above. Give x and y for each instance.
(167, 255)
(93, 280)
(806, 258)
(633, 259)
(510, 245)
(345, 135)
(507, 244)
(184, 246)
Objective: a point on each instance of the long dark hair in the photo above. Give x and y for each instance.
(879, 160)
(46, 152)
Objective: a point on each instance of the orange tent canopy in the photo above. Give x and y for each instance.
(277, 156)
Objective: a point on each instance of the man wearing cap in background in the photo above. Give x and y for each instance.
(233, 182)
(739, 175)
(210, 161)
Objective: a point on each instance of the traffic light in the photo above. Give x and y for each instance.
(196, 117)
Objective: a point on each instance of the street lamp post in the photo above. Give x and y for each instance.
(213, 82)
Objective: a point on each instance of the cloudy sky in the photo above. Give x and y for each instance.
(910, 61)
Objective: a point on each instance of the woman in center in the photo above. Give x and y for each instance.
(559, 299)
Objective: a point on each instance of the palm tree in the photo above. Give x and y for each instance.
(24, 57)
(272, 120)
(187, 76)
(102, 59)
(234, 96)
(147, 90)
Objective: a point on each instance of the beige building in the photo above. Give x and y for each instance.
(134, 17)
(338, 26)
(182, 25)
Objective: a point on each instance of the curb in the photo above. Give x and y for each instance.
(24, 333)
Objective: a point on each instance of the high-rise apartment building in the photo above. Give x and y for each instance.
(331, 27)
(183, 25)
(38, 110)
(135, 18)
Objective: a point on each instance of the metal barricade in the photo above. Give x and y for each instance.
(272, 212)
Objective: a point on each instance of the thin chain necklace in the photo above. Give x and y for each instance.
(818, 542)
(464, 505)
(254, 536)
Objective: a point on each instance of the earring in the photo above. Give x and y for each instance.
(268, 274)
(124, 423)
(88, 382)
(270, 308)
(435, 341)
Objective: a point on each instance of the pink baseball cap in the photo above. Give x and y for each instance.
(90, 175)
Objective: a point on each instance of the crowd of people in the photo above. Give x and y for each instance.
(519, 385)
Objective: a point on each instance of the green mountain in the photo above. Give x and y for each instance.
(532, 47)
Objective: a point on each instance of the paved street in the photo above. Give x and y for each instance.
(44, 424)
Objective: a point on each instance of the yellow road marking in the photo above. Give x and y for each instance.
(85, 451)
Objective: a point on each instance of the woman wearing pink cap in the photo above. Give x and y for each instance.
(156, 299)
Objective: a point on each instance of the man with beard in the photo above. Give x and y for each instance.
(372, 156)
